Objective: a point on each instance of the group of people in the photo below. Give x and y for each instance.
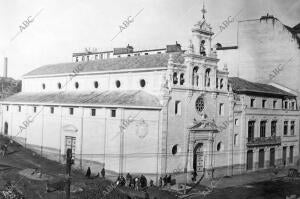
(137, 183)
(89, 176)
(165, 181)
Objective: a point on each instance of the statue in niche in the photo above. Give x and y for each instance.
(202, 48)
(195, 77)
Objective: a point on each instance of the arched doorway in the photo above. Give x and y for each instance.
(5, 128)
(198, 158)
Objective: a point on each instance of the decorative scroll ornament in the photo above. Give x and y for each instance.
(142, 129)
(70, 128)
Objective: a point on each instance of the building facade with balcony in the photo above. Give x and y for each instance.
(266, 125)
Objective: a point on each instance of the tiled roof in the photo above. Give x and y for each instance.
(114, 98)
(240, 85)
(133, 62)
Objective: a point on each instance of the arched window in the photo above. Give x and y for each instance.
(195, 77)
(96, 84)
(118, 83)
(142, 83)
(175, 149)
(59, 85)
(207, 77)
(76, 85)
(175, 78)
(43, 86)
(220, 146)
(221, 83)
(181, 78)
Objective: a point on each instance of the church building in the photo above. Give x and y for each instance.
(165, 112)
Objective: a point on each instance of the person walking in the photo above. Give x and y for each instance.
(103, 172)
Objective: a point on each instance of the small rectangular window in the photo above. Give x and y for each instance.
(292, 127)
(19, 108)
(285, 128)
(34, 109)
(76, 59)
(113, 113)
(177, 108)
(252, 103)
(235, 139)
(7, 108)
(146, 53)
(264, 103)
(71, 111)
(52, 110)
(221, 109)
(158, 52)
(236, 122)
(93, 112)
(274, 104)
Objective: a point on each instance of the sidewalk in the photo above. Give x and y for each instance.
(247, 178)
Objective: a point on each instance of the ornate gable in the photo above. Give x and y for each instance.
(204, 125)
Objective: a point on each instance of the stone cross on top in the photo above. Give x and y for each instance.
(203, 11)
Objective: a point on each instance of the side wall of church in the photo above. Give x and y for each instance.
(97, 137)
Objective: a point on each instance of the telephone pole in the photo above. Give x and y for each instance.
(68, 172)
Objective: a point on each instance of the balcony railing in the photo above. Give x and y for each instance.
(264, 141)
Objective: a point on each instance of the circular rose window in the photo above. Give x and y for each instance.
(199, 104)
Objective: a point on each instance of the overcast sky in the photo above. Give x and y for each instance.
(66, 26)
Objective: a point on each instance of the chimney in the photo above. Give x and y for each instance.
(5, 67)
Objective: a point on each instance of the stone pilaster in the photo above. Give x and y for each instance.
(164, 141)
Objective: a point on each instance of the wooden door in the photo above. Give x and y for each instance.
(272, 157)
(5, 128)
(70, 143)
(284, 155)
(249, 160)
(261, 158)
(198, 163)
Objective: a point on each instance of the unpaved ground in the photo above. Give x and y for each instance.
(20, 161)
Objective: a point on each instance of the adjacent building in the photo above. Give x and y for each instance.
(266, 50)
